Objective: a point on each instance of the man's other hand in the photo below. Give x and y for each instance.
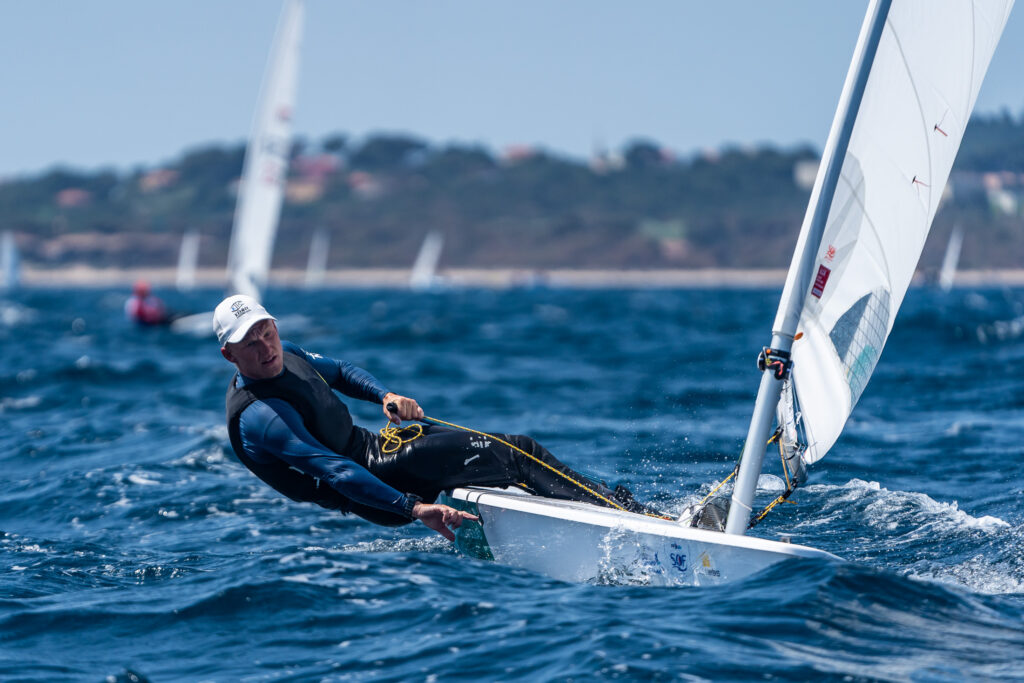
(441, 518)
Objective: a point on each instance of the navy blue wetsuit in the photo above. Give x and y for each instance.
(271, 430)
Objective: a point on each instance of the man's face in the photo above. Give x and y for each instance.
(259, 354)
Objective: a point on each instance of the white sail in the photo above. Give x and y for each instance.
(949, 262)
(266, 160)
(316, 264)
(188, 260)
(424, 268)
(10, 261)
(921, 88)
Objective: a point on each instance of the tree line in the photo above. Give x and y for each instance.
(377, 198)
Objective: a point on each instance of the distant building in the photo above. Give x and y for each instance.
(304, 191)
(73, 197)
(158, 179)
(514, 154)
(1004, 191)
(603, 161)
(365, 185)
(315, 167)
(710, 155)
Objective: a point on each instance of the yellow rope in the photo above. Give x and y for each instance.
(735, 471)
(770, 506)
(720, 485)
(394, 437)
(785, 471)
(780, 499)
(392, 434)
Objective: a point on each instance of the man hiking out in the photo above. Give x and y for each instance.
(288, 426)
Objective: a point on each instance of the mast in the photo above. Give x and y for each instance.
(802, 271)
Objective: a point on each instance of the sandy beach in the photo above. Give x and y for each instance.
(80, 276)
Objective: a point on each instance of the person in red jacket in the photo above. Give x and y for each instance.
(145, 308)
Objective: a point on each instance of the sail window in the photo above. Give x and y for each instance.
(858, 337)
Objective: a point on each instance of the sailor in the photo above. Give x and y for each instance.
(144, 307)
(288, 426)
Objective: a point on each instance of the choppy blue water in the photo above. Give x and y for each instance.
(132, 544)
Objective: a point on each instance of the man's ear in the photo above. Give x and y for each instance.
(226, 352)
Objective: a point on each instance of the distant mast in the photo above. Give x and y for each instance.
(261, 191)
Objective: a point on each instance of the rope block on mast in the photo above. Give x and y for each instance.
(777, 360)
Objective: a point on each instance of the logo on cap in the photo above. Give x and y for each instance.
(239, 309)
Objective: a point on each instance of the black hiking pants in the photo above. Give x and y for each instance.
(445, 458)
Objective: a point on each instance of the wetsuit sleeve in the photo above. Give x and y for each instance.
(342, 375)
(272, 428)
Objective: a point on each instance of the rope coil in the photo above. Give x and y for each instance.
(394, 437)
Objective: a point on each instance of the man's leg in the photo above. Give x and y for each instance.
(444, 459)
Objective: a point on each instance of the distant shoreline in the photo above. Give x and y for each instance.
(494, 278)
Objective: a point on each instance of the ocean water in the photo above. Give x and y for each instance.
(134, 547)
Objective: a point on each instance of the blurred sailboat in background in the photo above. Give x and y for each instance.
(265, 169)
(10, 261)
(188, 260)
(316, 265)
(424, 269)
(11, 311)
(949, 262)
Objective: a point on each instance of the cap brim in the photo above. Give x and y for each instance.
(239, 334)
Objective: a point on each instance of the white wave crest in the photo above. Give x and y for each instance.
(890, 509)
(978, 574)
(19, 403)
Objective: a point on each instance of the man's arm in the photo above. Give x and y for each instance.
(342, 375)
(276, 430)
(273, 429)
(358, 383)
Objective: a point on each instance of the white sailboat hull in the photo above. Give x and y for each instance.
(578, 542)
(197, 324)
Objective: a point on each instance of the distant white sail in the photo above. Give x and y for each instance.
(951, 259)
(188, 260)
(10, 261)
(921, 89)
(316, 265)
(265, 170)
(424, 268)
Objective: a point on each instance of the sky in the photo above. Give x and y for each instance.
(128, 83)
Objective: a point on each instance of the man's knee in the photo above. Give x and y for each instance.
(528, 444)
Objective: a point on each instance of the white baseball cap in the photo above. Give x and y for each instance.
(235, 315)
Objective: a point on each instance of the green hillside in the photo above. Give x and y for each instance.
(640, 208)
